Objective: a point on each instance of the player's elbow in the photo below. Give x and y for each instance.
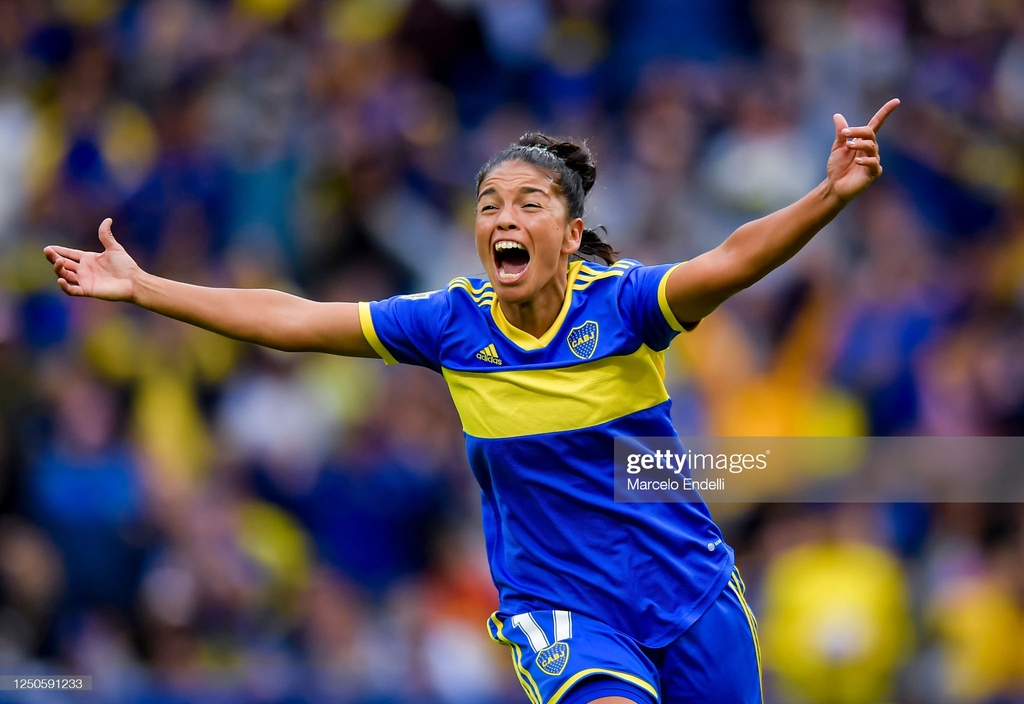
(288, 325)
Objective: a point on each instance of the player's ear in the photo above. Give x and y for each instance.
(573, 236)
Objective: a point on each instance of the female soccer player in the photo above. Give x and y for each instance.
(548, 360)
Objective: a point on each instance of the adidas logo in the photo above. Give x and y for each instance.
(489, 354)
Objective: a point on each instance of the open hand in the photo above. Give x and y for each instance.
(855, 162)
(110, 275)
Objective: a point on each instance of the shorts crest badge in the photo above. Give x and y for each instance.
(553, 658)
(582, 340)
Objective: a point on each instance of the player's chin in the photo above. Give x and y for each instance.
(513, 290)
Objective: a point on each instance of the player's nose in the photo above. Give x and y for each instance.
(507, 220)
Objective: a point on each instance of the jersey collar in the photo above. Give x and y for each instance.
(525, 340)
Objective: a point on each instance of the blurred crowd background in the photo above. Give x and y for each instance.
(186, 518)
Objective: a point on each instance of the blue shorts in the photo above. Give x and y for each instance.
(562, 657)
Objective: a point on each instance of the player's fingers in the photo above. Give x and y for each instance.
(66, 269)
(70, 289)
(53, 251)
(868, 147)
(862, 132)
(62, 264)
(883, 113)
(106, 235)
(872, 164)
(840, 122)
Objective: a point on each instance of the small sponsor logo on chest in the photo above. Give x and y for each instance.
(489, 354)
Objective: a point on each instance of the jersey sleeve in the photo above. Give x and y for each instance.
(406, 329)
(644, 305)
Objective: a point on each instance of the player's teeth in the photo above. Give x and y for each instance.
(508, 245)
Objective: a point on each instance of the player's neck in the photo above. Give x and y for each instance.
(537, 315)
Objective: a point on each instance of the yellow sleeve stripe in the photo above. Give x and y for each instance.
(587, 268)
(666, 310)
(366, 323)
(465, 286)
(482, 301)
(588, 275)
(583, 281)
(621, 264)
(463, 282)
(484, 297)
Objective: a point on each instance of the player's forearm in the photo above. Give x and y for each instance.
(763, 245)
(260, 316)
(749, 254)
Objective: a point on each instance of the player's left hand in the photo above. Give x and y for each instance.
(855, 162)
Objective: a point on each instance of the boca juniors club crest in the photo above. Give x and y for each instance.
(552, 659)
(582, 340)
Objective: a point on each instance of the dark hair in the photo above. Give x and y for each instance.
(574, 174)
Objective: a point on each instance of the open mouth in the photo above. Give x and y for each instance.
(511, 260)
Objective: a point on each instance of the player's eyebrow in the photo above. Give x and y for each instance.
(526, 190)
(523, 190)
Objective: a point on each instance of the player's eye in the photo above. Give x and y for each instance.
(531, 205)
(488, 207)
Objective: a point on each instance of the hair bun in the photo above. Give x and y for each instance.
(576, 156)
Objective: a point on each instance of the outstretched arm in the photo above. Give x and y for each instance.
(758, 247)
(261, 316)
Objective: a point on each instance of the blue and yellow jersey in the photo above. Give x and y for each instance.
(540, 416)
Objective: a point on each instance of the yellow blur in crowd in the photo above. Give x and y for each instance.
(835, 623)
(979, 620)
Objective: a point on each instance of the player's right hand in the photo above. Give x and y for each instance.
(110, 275)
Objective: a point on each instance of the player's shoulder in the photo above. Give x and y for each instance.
(592, 277)
(470, 291)
(620, 265)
